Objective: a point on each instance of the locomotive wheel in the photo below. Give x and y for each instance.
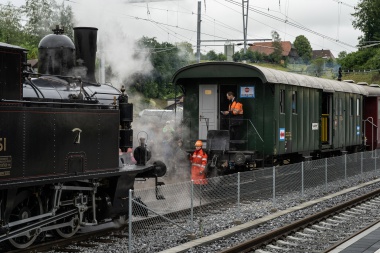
(26, 205)
(70, 230)
(73, 222)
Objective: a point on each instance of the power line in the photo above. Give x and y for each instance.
(340, 2)
(293, 24)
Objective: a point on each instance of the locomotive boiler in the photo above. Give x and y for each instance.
(60, 136)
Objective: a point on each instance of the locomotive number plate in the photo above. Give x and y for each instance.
(3, 144)
(5, 162)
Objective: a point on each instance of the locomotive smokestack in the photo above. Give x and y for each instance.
(85, 44)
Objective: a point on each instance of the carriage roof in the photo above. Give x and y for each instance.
(267, 75)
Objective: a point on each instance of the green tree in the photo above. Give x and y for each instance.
(237, 56)
(303, 47)
(65, 18)
(367, 20)
(166, 58)
(342, 55)
(276, 56)
(359, 60)
(10, 24)
(186, 50)
(39, 19)
(211, 56)
(221, 57)
(25, 26)
(317, 66)
(249, 56)
(44, 15)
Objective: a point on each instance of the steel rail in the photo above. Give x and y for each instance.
(267, 238)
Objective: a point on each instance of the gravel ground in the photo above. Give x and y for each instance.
(160, 237)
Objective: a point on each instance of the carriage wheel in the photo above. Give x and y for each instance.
(26, 205)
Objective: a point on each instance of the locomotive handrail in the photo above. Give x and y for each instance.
(104, 93)
(57, 103)
(255, 129)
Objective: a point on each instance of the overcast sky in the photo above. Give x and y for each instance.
(176, 20)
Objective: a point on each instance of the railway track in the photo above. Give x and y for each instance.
(80, 241)
(317, 232)
(110, 233)
(96, 241)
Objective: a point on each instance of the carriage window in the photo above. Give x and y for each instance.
(294, 102)
(282, 101)
(352, 107)
(357, 107)
(340, 107)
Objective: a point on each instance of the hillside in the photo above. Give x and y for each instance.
(329, 73)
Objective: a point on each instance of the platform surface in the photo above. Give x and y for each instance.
(366, 242)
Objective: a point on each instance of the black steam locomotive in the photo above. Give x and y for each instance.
(60, 135)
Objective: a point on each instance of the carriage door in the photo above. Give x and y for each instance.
(208, 101)
(327, 119)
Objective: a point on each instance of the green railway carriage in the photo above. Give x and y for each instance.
(286, 115)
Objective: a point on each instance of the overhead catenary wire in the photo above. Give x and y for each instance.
(276, 28)
(293, 24)
(342, 3)
(287, 20)
(219, 26)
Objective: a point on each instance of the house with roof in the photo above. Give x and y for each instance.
(267, 48)
(324, 53)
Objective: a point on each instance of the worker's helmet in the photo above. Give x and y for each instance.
(198, 143)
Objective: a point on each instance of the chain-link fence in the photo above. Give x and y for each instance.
(187, 210)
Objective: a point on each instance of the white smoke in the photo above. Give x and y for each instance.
(117, 41)
(114, 43)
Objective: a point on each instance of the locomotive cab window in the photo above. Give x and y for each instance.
(282, 101)
(294, 102)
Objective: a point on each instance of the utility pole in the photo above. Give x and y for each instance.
(199, 33)
(245, 22)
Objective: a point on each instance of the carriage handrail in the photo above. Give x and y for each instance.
(255, 130)
(370, 120)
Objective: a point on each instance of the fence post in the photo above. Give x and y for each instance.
(200, 211)
(361, 166)
(238, 220)
(274, 189)
(302, 182)
(375, 158)
(345, 166)
(192, 206)
(192, 236)
(130, 222)
(326, 174)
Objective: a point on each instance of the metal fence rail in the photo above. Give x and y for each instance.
(189, 209)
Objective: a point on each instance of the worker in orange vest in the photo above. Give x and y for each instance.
(234, 116)
(198, 164)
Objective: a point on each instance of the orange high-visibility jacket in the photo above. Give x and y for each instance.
(236, 108)
(198, 167)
